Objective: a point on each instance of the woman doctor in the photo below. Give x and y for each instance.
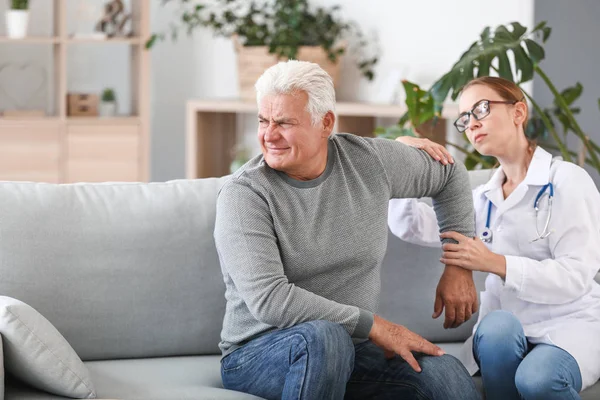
(538, 237)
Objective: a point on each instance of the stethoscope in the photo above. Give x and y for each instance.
(486, 236)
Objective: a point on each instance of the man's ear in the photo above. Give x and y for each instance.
(328, 122)
(520, 113)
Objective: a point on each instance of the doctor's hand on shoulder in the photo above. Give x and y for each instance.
(472, 254)
(435, 150)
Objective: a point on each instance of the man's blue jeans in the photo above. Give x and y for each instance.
(317, 360)
(513, 368)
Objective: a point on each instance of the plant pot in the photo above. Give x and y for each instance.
(254, 60)
(108, 109)
(16, 23)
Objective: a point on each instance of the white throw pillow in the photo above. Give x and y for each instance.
(36, 353)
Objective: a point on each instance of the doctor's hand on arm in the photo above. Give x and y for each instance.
(397, 339)
(472, 254)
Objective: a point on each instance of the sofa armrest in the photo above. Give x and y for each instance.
(1, 370)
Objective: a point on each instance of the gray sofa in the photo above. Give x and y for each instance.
(128, 273)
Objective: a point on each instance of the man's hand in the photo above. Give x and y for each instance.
(456, 292)
(393, 338)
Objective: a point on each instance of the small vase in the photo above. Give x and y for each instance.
(108, 109)
(16, 23)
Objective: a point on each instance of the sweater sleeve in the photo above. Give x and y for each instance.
(248, 251)
(412, 173)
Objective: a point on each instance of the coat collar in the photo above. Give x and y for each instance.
(538, 174)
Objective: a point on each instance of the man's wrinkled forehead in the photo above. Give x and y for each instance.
(279, 107)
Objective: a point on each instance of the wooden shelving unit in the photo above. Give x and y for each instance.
(60, 148)
(211, 129)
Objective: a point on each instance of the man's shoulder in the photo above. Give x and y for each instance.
(252, 176)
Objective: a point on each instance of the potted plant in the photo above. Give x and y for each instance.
(17, 18)
(501, 51)
(108, 103)
(266, 32)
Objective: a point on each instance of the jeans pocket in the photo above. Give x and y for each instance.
(234, 360)
(245, 355)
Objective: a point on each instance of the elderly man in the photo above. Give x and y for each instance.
(301, 232)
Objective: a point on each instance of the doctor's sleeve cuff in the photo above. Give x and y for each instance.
(515, 273)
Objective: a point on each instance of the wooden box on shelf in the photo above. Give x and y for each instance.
(82, 105)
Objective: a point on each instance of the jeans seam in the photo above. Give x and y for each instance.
(415, 387)
(303, 380)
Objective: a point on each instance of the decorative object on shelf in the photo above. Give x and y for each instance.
(86, 16)
(17, 19)
(23, 87)
(515, 48)
(108, 104)
(281, 29)
(115, 20)
(82, 105)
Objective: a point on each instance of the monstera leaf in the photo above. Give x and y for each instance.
(478, 60)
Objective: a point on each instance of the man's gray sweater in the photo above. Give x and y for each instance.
(295, 251)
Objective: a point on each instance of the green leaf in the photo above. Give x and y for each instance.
(547, 32)
(483, 69)
(150, 42)
(504, 69)
(394, 131)
(420, 104)
(523, 64)
(483, 53)
(539, 26)
(518, 29)
(599, 103)
(536, 52)
(571, 94)
(404, 119)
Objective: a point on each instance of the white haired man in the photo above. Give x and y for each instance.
(301, 232)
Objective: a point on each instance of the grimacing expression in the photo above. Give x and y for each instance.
(288, 140)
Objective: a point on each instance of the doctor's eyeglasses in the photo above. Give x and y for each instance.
(480, 110)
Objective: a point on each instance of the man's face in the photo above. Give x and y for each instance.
(289, 141)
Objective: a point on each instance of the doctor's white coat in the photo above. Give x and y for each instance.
(549, 283)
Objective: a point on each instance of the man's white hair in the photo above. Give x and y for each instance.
(292, 76)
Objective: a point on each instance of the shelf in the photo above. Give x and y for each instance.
(28, 120)
(57, 40)
(61, 148)
(122, 40)
(126, 120)
(31, 40)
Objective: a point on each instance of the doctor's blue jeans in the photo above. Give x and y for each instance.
(513, 368)
(317, 360)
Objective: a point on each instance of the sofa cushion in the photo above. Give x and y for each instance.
(122, 270)
(176, 378)
(38, 354)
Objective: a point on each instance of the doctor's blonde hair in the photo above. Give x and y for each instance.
(509, 91)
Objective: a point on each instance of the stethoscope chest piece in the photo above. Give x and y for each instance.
(486, 235)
